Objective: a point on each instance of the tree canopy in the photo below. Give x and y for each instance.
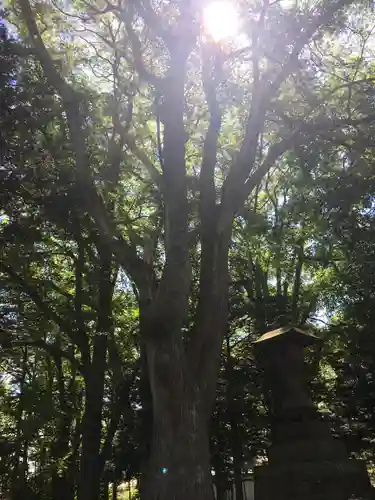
(168, 195)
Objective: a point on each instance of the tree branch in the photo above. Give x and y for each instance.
(127, 255)
(120, 404)
(152, 20)
(153, 172)
(126, 15)
(172, 294)
(261, 98)
(211, 80)
(54, 350)
(47, 311)
(305, 133)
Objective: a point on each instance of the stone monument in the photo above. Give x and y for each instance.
(305, 462)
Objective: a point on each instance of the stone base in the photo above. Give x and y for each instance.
(313, 481)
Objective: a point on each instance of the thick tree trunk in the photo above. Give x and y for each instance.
(180, 461)
(182, 373)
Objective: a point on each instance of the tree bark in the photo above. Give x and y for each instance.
(104, 493)
(114, 491)
(60, 484)
(180, 461)
(90, 467)
(89, 484)
(221, 480)
(221, 485)
(182, 373)
(18, 484)
(297, 283)
(232, 408)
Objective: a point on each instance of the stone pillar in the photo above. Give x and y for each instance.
(305, 462)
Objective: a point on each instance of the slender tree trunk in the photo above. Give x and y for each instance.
(90, 468)
(18, 480)
(297, 283)
(238, 479)
(114, 491)
(89, 484)
(104, 490)
(232, 407)
(73, 464)
(221, 480)
(25, 463)
(61, 489)
(221, 487)
(260, 320)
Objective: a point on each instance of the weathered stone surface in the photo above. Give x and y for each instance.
(305, 462)
(316, 480)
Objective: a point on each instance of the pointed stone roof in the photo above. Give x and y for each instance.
(289, 333)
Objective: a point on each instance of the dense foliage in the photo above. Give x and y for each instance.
(165, 199)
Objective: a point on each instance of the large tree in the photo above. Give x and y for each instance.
(158, 164)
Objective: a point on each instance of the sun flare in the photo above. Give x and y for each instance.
(220, 20)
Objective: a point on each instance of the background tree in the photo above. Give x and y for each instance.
(151, 158)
